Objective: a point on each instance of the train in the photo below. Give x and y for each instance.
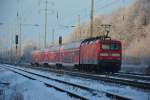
(98, 54)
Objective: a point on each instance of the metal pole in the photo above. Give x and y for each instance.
(91, 18)
(16, 53)
(20, 39)
(79, 27)
(12, 48)
(19, 33)
(39, 41)
(123, 1)
(45, 44)
(53, 32)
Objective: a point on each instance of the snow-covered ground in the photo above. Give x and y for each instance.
(21, 88)
(140, 69)
(35, 90)
(127, 91)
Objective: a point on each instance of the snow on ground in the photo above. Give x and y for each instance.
(127, 91)
(21, 88)
(134, 93)
(134, 68)
(29, 88)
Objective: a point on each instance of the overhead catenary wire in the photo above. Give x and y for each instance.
(102, 6)
(82, 16)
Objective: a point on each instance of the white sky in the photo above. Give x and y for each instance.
(31, 12)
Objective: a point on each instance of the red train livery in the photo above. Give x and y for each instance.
(98, 54)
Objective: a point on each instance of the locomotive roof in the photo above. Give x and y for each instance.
(96, 38)
(99, 38)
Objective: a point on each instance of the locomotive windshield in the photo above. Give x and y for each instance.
(112, 46)
(115, 46)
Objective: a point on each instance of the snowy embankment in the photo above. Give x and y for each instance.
(21, 88)
(140, 69)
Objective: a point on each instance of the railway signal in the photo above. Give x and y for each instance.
(60, 40)
(16, 41)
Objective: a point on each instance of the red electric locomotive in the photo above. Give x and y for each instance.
(100, 54)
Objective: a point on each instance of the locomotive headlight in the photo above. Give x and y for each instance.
(115, 54)
(104, 54)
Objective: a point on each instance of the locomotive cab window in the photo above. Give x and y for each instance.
(105, 46)
(112, 46)
(115, 46)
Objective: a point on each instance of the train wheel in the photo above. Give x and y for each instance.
(37, 64)
(98, 69)
(46, 65)
(59, 66)
(83, 68)
(86, 68)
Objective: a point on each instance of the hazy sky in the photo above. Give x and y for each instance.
(31, 12)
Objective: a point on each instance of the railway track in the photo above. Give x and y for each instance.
(118, 80)
(92, 93)
(139, 81)
(133, 76)
(132, 73)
